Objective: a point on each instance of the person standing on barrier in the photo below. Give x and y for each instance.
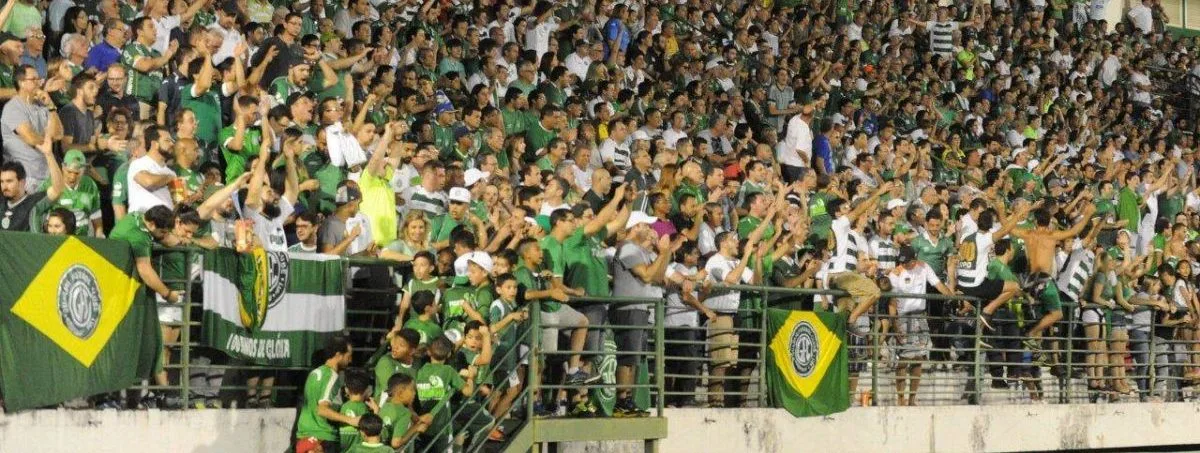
(911, 276)
(974, 255)
(1040, 244)
(322, 392)
(638, 271)
(863, 292)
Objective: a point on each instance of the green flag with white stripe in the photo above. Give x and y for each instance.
(272, 308)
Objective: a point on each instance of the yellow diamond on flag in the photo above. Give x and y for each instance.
(804, 348)
(77, 300)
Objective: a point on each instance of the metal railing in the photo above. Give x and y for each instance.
(942, 355)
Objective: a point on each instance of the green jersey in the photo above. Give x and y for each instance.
(120, 189)
(397, 418)
(83, 200)
(466, 357)
(235, 161)
(454, 315)
(534, 281)
(322, 386)
(537, 136)
(750, 223)
(441, 226)
(7, 76)
(141, 85)
(370, 447)
(281, 88)
(429, 330)
(436, 384)
(349, 435)
(506, 339)
(133, 230)
(443, 139)
(514, 122)
(316, 84)
(207, 108)
(387, 367)
(586, 265)
(1129, 207)
(933, 251)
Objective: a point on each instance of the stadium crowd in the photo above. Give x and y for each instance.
(517, 150)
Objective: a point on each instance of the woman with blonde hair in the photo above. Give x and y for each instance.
(413, 237)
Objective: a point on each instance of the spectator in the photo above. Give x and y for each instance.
(149, 178)
(145, 63)
(60, 222)
(321, 389)
(101, 56)
(114, 96)
(29, 118)
(911, 276)
(21, 205)
(80, 194)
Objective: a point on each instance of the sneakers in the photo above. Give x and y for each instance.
(626, 408)
(561, 409)
(581, 377)
(540, 410)
(583, 409)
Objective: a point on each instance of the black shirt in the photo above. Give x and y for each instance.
(109, 101)
(594, 200)
(15, 217)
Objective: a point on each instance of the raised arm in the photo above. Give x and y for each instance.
(214, 202)
(1079, 225)
(57, 186)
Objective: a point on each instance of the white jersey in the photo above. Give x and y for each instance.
(912, 281)
(1075, 275)
(973, 255)
(844, 246)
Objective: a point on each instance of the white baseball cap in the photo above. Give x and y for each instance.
(460, 195)
(473, 175)
(482, 259)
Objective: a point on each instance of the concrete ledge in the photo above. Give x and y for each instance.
(891, 429)
(154, 431)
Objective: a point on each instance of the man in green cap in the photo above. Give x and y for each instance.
(81, 195)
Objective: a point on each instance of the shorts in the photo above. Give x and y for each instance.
(565, 316)
(597, 315)
(915, 330)
(1119, 320)
(722, 341)
(1046, 291)
(987, 291)
(859, 286)
(168, 312)
(1092, 315)
(630, 340)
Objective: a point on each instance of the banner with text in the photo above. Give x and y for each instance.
(272, 308)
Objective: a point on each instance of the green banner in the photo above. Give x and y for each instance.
(807, 366)
(74, 319)
(272, 308)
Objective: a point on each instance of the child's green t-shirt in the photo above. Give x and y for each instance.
(397, 418)
(349, 435)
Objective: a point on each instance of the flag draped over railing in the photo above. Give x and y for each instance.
(807, 371)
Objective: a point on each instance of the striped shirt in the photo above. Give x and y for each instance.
(844, 247)
(973, 255)
(619, 155)
(885, 252)
(941, 36)
(433, 203)
(1073, 279)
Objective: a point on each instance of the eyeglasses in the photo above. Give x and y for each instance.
(36, 37)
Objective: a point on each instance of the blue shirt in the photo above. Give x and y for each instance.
(616, 30)
(822, 148)
(102, 56)
(38, 63)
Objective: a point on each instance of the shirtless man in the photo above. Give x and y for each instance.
(1040, 243)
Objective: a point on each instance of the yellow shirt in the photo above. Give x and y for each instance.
(379, 205)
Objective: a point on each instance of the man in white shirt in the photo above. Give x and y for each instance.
(614, 153)
(911, 276)
(149, 178)
(226, 26)
(795, 152)
(1141, 17)
(724, 269)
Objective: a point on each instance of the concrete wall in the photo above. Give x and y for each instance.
(197, 431)
(925, 429)
(891, 429)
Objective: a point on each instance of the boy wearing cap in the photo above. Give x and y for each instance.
(465, 302)
(80, 195)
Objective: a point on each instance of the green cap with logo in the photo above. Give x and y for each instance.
(74, 160)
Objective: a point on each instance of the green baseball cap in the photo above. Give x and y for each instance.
(74, 160)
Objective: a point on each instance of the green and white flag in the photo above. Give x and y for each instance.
(272, 308)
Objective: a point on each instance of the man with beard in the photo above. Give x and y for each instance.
(149, 176)
(16, 204)
(268, 202)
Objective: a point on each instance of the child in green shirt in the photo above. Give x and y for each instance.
(355, 390)
(475, 357)
(425, 323)
(437, 384)
(506, 322)
(401, 358)
(399, 422)
(369, 427)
